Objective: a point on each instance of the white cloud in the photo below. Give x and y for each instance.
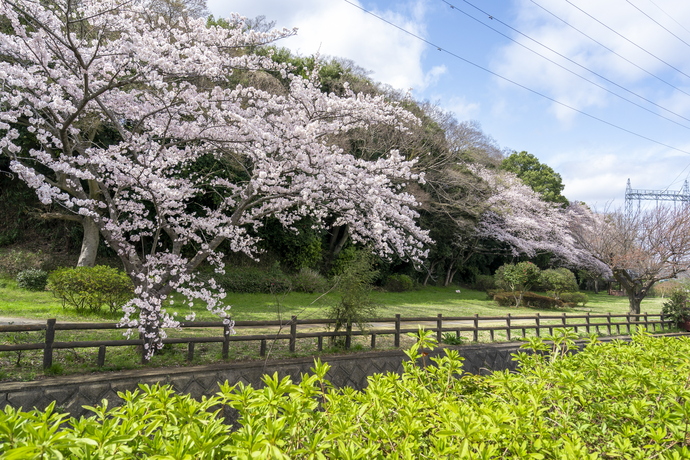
(528, 69)
(336, 28)
(598, 176)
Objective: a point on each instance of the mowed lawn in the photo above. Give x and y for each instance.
(429, 301)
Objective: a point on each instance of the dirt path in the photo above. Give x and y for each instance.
(6, 320)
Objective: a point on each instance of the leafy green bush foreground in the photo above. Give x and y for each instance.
(615, 400)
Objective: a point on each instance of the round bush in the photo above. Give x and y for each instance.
(399, 283)
(32, 279)
(91, 288)
(309, 281)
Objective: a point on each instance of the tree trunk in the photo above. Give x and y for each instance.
(450, 274)
(89, 243)
(635, 303)
(339, 236)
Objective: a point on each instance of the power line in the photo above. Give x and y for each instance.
(657, 23)
(669, 16)
(439, 48)
(494, 18)
(611, 50)
(627, 39)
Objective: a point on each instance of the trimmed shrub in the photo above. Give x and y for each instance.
(529, 299)
(250, 280)
(32, 279)
(399, 283)
(91, 288)
(309, 281)
(558, 280)
(575, 298)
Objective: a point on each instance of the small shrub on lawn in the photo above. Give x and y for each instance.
(399, 283)
(90, 289)
(32, 279)
(575, 298)
(309, 281)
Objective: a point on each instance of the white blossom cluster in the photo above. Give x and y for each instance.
(517, 216)
(76, 69)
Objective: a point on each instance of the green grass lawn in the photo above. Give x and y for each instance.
(427, 302)
(430, 301)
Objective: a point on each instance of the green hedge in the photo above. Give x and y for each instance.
(609, 401)
(529, 299)
(254, 280)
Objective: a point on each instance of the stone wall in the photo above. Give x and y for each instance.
(73, 392)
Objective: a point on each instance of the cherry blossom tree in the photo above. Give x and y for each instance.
(161, 91)
(517, 216)
(640, 249)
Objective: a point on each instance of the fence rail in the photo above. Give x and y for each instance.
(511, 325)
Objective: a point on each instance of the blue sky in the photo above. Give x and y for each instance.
(595, 159)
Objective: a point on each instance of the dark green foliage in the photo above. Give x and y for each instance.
(528, 299)
(575, 298)
(254, 280)
(539, 177)
(32, 279)
(399, 283)
(677, 307)
(484, 283)
(296, 248)
(90, 289)
(309, 281)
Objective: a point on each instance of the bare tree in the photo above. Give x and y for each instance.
(640, 250)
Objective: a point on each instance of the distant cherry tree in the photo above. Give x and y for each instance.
(122, 108)
(639, 249)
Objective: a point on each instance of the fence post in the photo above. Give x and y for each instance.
(226, 341)
(508, 327)
(439, 328)
(373, 340)
(293, 333)
(563, 320)
(538, 330)
(608, 320)
(262, 348)
(587, 319)
(476, 327)
(101, 356)
(48, 345)
(190, 351)
(646, 322)
(396, 340)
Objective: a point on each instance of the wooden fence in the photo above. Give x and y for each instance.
(511, 326)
